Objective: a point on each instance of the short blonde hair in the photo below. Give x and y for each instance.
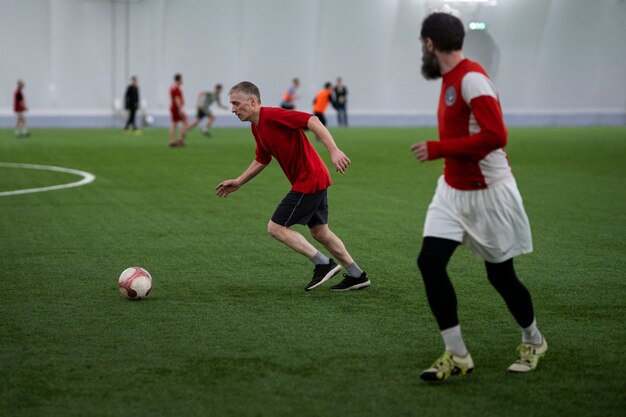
(247, 88)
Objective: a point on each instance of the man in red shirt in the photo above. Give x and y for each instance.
(279, 134)
(477, 202)
(177, 111)
(19, 107)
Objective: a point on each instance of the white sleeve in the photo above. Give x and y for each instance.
(474, 85)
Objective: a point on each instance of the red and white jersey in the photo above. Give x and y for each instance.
(472, 134)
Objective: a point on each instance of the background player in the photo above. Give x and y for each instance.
(177, 111)
(131, 103)
(203, 104)
(19, 107)
(320, 103)
(279, 134)
(477, 201)
(291, 95)
(340, 102)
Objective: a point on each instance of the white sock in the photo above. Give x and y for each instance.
(453, 340)
(531, 334)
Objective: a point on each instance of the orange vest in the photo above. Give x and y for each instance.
(321, 101)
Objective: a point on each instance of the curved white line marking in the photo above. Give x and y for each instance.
(87, 178)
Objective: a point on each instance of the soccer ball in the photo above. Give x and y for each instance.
(135, 283)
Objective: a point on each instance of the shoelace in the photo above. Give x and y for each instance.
(445, 363)
(525, 353)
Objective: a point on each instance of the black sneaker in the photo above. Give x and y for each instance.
(323, 273)
(352, 283)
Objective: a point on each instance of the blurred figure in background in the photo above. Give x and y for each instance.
(177, 111)
(131, 103)
(340, 102)
(291, 95)
(205, 100)
(19, 106)
(322, 98)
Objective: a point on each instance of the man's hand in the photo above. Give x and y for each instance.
(226, 187)
(340, 160)
(420, 150)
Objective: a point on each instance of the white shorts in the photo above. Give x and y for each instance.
(491, 222)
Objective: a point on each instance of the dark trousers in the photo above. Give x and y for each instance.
(342, 115)
(131, 119)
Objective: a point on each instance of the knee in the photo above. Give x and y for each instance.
(275, 230)
(320, 234)
(425, 263)
(502, 275)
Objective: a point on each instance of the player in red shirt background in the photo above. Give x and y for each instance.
(177, 111)
(279, 134)
(476, 203)
(19, 107)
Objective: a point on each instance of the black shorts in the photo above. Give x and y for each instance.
(300, 208)
(321, 117)
(202, 114)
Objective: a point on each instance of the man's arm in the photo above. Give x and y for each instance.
(199, 100)
(229, 186)
(219, 102)
(339, 159)
(179, 103)
(491, 136)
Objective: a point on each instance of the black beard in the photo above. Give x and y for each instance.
(430, 66)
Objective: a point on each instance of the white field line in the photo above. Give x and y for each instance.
(87, 178)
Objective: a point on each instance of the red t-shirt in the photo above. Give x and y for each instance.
(279, 134)
(19, 104)
(472, 133)
(175, 91)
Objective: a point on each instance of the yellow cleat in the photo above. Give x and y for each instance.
(447, 365)
(529, 356)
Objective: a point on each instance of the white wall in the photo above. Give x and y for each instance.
(546, 56)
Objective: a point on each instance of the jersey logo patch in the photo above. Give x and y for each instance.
(450, 96)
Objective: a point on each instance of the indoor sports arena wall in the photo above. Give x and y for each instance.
(554, 62)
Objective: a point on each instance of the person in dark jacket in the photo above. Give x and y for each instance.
(131, 103)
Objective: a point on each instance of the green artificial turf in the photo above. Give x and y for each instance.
(229, 330)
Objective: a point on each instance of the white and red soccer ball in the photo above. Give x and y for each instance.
(135, 283)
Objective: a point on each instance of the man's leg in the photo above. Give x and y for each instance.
(173, 133)
(324, 268)
(128, 119)
(354, 278)
(517, 298)
(18, 125)
(335, 246)
(195, 123)
(183, 131)
(432, 262)
(292, 239)
(209, 123)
